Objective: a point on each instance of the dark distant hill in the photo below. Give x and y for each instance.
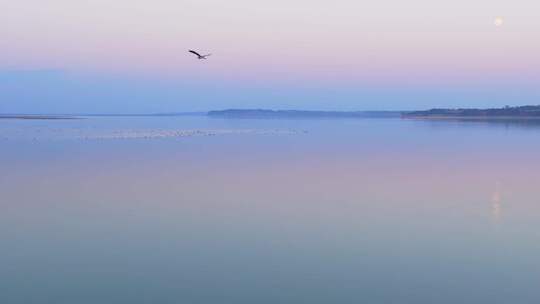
(506, 112)
(144, 115)
(261, 113)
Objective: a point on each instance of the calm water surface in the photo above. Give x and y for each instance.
(338, 211)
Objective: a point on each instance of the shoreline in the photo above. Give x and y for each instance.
(443, 117)
(37, 117)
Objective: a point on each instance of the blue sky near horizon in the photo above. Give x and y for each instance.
(131, 56)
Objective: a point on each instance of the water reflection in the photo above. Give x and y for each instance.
(353, 211)
(506, 123)
(496, 203)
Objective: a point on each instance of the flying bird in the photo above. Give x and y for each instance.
(199, 56)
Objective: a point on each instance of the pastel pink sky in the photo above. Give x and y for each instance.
(343, 42)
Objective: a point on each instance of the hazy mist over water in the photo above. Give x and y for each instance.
(269, 211)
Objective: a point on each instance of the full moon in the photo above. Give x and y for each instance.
(499, 21)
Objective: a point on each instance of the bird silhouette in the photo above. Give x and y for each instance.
(199, 56)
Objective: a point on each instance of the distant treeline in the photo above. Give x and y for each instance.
(522, 111)
(262, 113)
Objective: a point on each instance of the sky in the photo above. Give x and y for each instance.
(130, 56)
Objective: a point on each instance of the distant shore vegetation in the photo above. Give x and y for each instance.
(518, 112)
(263, 113)
(505, 112)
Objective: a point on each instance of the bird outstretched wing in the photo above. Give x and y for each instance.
(193, 52)
(207, 55)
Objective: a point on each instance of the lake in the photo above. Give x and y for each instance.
(194, 209)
